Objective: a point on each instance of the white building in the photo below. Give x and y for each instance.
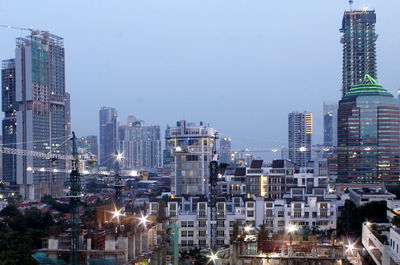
(192, 150)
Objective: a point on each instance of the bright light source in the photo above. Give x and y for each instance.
(213, 257)
(55, 170)
(247, 228)
(29, 169)
(350, 247)
(119, 156)
(303, 149)
(178, 149)
(368, 223)
(143, 220)
(117, 214)
(365, 9)
(42, 169)
(134, 173)
(292, 228)
(331, 190)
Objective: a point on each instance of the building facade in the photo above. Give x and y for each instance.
(300, 132)
(225, 150)
(359, 48)
(141, 145)
(42, 115)
(330, 124)
(89, 145)
(9, 123)
(368, 135)
(109, 124)
(191, 147)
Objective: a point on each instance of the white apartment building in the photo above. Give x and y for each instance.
(192, 215)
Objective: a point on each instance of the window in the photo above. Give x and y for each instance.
(220, 233)
(281, 223)
(183, 233)
(250, 213)
(202, 233)
(281, 214)
(231, 223)
(250, 205)
(190, 233)
(202, 223)
(183, 224)
(190, 224)
(202, 242)
(220, 223)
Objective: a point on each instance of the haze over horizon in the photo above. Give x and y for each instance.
(239, 66)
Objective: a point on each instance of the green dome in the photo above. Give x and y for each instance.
(369, 87)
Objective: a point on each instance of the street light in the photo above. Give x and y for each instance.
(213, 257)
(247, 228)
(117, 214)
(143, 220)
(291, 229)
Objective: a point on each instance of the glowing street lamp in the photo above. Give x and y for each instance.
(213, 257)
(119, 156)
(117, 214)
(292, 228)
(143, 220)
(247, 228)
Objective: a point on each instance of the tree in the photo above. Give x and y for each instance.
(396, 221)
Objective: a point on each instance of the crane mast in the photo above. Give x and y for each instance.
(213, 196)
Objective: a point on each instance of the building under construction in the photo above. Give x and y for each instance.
(110, 238)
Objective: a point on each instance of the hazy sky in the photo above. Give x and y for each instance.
(240, 65)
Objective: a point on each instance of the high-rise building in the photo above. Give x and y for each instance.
(42, 116)
(88, 144)
(192, 150)
(225, 150)
(140, 145)
(109, 124)
(368, 135)
(330, 124)
(9, 131)
(359, 55)
(300, 131)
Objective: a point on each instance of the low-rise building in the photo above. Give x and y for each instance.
(365, 195)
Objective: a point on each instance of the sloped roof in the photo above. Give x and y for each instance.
(368, 87)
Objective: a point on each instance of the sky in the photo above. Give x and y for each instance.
(239, 65)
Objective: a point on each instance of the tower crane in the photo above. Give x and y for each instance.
(31, 29)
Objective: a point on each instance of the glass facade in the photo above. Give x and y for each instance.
(368, 135)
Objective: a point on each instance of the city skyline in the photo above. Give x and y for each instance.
(166, 70)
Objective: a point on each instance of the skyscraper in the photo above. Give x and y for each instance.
(88, 144)
(109, 124)
(300, 131)
(368, 135)
(225, 150)
(140, 144)
(359, 55)
(42, 116)
(330, 124)
(9, 131)
(192, 149)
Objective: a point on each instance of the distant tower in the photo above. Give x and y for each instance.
(300, 131)
(225, 150)
(192, 150)
(109, 124)
(9, 124)
(330, 124)
(359, 55)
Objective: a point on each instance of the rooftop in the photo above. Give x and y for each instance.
(368, 87)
